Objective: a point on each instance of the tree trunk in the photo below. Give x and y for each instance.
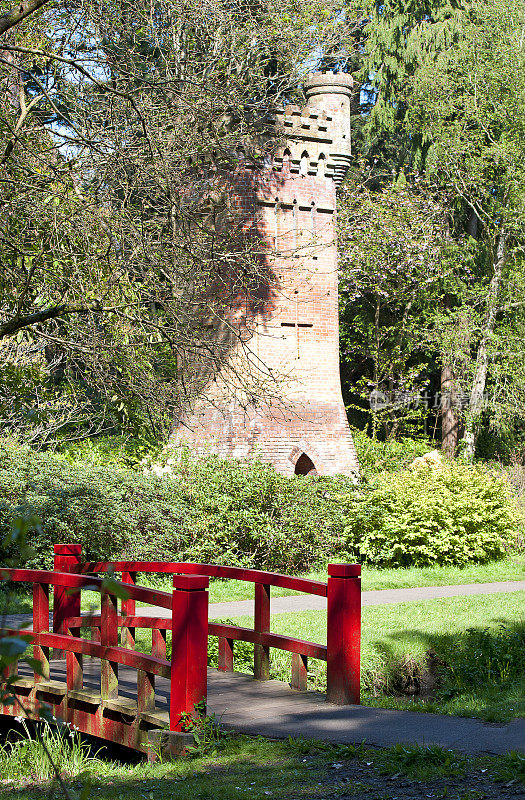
(472, 224)
(449, 418)
(480, 374)
(11, 81)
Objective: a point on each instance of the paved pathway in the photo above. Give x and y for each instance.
(305, 602)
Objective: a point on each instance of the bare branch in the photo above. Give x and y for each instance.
(20, 12)
(27, 321)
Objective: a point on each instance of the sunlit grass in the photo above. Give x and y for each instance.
(481, 675)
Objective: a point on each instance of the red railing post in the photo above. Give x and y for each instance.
(108, 638)
(225, 655)
(158, 643)
(299, 679)
(40, 625)
(343, 634)
(127, 635)
(189, 648)
(261, 623)
(65, 602)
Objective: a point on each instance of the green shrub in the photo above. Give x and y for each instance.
(248, 514)
(391, 456)
(453, 515)
(122, 452)
(211, 510)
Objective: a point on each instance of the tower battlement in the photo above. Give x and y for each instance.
(318, 139)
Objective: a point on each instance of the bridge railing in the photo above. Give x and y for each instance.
(90, 710)
(67, 684)
(342, 590)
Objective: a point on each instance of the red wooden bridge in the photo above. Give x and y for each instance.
(105, 687)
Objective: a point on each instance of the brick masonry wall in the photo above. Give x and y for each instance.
(294, 335)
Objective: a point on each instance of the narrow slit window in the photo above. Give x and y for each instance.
(276, 211)
(303, 168)
(295, 212)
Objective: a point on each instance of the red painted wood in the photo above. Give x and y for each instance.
(345, 570)
(74, 670)
(128, 658)
(108, 638)
(145, 691)
(189, 623)
(41, 623)
(344, 634)
(73, 581)
(299, 672)
(66, 603)
(287, 643)
(234, 632)
(128, 610)
(212, 571)
(225, 659)
(158, 642)
(261, 624)
(155, 623)
(128, 605)
(189, 650)
(94, 620)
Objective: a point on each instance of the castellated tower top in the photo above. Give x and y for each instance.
(318, 136)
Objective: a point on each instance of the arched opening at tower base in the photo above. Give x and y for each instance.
(305, 466)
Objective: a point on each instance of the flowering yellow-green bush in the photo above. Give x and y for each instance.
(452, 515)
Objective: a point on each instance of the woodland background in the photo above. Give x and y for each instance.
(115, 116)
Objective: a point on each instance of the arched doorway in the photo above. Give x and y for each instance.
(305, 466)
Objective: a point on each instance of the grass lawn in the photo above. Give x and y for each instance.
(511, 568)
(239, 767)
(476, 645)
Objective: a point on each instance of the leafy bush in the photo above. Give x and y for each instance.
(453, 515)
(250, 515)
(122, 452)
(211, 510)
(391, 456)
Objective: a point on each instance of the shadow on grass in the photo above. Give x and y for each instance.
(258, 767)
(15, 600)
(479, 672)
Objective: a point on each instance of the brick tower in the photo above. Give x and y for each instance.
(294, 326)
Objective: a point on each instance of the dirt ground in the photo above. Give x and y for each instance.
(360, 780)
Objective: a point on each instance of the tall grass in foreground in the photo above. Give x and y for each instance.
(26, 758)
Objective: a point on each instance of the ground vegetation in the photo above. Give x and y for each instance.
(236, 765)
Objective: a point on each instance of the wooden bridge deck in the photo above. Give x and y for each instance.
(271, 708)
